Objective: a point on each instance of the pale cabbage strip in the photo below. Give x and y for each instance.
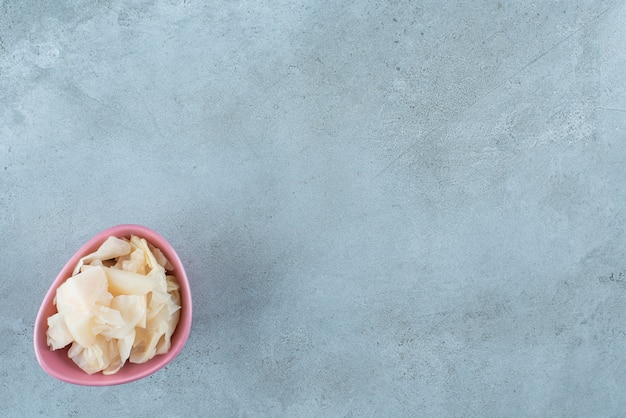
(119, 305)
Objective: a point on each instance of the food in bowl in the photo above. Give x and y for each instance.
(119, 305)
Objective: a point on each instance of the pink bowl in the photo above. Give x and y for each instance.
(59, 365)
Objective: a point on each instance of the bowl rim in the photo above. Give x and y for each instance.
(49, 360)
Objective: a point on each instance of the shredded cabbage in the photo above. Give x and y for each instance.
(119, 305)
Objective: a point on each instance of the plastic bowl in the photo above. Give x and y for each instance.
(59, 365)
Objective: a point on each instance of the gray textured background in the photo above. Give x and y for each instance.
(410, 208)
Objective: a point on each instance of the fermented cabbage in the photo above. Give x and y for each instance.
(119, 305)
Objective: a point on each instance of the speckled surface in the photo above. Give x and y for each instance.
(413, 208)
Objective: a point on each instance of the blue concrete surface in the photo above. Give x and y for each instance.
(403, 208)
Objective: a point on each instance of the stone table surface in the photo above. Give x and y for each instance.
(403, 208)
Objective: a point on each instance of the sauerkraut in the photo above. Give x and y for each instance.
(119, 305)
